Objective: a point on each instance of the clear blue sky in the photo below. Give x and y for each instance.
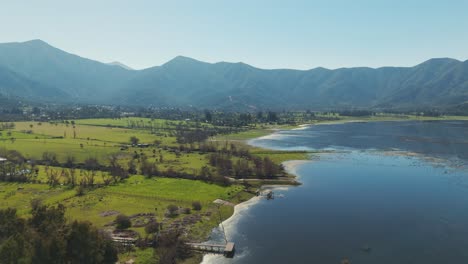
(264, 33)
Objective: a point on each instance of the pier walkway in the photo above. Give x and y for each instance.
(227, 249)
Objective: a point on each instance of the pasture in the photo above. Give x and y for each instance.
(101, 139)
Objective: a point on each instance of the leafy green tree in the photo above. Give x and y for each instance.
(92, 163)
(87, 245)
(47, 238)
(196, 205)
(123, 221)
(134, 140)
(15, 249)
(172, 210)
(152, 227)
(50, 158)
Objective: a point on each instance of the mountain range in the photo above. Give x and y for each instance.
(35, 70)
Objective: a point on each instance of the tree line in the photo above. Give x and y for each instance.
(47, 237)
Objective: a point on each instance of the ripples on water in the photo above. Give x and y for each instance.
(396, 192)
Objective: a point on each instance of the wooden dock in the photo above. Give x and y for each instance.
(227, 249)
(124, 241)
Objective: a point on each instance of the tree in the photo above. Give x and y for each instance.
(116, 170)
(47, 238)
(70, 161)
(80, 191)
(91, 163)
(53, 177)
(270, 169)
(15, 246)
(149, 169)
(85, 244)
(132, 167)
(106, 178)
(50, 158)
(88, 178)
(134, 140)
(208, 116)
(70, 177)
(50, 225)
(152, 227)
(172, 210)
(123, 222)
(196, 205)
(172, 247)
(15, 250)
(272, 117)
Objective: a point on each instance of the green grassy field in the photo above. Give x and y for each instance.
(139, 123)
(141, 195)
(20, 195)
(82, 141)
(86, 141)
(100, 138)
(132, 196)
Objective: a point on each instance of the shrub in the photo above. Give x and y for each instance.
(80, 191)
(134, 140)
(123, 221)
(172, 210)
(196, 206)
(152, 227)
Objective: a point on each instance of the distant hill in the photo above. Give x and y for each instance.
(36, 69)
(79, 78)
(184, 81)
(15, 84)
(116, 63)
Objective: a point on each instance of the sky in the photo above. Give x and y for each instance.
(263, 33)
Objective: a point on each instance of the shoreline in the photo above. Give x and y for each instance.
(242, 208)
(291, 166)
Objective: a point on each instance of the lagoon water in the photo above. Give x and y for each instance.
(387, 192)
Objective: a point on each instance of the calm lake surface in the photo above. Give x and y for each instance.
(389, 192)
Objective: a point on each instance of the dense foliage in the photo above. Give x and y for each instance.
(46, 237)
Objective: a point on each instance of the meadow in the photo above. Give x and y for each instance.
(102, 138)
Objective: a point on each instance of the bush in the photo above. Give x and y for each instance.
(152, 227)
(123, 221)
(196, 206)
(134, 140)
(91, 164)
(80, 191)
(172, 210)
(50, 158)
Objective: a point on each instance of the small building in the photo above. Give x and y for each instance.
(3, 160)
